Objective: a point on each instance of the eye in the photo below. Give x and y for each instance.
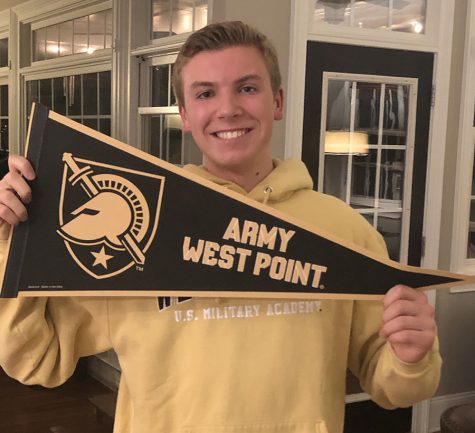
(204, 95)
(248, 89)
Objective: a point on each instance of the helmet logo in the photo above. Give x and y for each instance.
(105, 219)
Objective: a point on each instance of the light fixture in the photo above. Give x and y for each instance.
(346, 143)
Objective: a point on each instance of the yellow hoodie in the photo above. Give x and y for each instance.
(226, 365)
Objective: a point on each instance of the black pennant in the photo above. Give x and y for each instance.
(108, 219)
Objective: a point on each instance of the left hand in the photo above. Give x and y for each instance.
(408, 323)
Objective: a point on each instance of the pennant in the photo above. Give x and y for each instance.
(110, 220)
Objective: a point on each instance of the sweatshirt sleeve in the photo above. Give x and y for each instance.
(41, 339)
(390, 381)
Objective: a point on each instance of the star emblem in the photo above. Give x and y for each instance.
(101, 257)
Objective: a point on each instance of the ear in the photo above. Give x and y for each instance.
(184, 117)
(279, 104)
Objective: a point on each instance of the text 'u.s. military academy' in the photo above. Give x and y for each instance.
(261, 264)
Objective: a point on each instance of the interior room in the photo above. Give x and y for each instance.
(379, 105)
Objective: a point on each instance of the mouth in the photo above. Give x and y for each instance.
(231, 134)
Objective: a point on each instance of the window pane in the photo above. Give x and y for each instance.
(32, 92)
(52, 42)
(90, 123)
(46, 92)
(80, 35)
(160, 86)
(389, 225)
(172, 138)
(66, 38)
(90, 90)
(332, 12)
(363, 185)
(109, 28)
(409, 16)
(4, 137)
(105, 126)
(201, 14)
(74, 95)
(39, 43)
(161, 17)
(336, 175)
(97, 28)
(3, 52)
(372, 14)
(59, 95)
(105, 92)
(4, 100)
(182, 17)
(392, 177)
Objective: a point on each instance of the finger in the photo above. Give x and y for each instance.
(21, 165)
(407, 323)
(403, 292)
(15, 182)
(12, 209)
(402, 307)
(413, 338)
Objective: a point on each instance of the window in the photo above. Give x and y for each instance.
(172, 17)
(396, 15)
(85, 98)
(80, 35)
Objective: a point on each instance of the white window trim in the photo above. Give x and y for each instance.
(465, 158)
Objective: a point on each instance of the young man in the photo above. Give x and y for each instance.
(242, 365)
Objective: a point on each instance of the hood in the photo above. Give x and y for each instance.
(287, 177)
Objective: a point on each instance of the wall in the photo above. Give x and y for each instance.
(5, 4)
(455, 312)
(276, 26)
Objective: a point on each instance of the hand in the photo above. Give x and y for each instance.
(15, 193)
(409, 324)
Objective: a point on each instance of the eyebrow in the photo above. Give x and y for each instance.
(240, 80)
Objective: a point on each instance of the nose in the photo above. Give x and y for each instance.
(228, 105)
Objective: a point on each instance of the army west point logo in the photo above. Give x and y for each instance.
(106, 221)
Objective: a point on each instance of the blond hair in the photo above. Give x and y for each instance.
(224, 35)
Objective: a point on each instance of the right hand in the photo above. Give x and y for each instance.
(15, 193)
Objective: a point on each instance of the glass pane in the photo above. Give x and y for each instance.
(371, 14)
(90, 89)
(471, 231)
(105, 92)
(109, 28)
(389, 225)
(191, 152)
(335, 175)
(160, 86)
(4, 100)
(201, 14)
(409, 16)
(367, 109)
(339, 105)
(59, 95)
(32, 94)
(80, 35)
(3, 52)
(105, 126)
(155, 135)
(172, 138)
(97, 29)
(39, 44)
(363, 184)
(90, 123)
(3, 137)
(392, 178)
(161, 17)
(74, 95)
(66, 38)
(52, 42)
(46, 92)
(368, 217)
(395, 111)
(335, 12)
(182, 17)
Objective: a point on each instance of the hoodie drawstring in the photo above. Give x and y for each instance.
(267, 192)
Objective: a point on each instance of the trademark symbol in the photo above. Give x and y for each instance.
(139, 268)
(321, 287)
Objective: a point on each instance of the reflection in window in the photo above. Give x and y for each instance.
(172, 17)
(396, 15)
(3, 52)
(81, 35)
(84, 98)
(3, 121)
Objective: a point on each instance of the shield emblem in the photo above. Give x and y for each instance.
(108, 215)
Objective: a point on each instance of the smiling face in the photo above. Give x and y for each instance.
(229, 107)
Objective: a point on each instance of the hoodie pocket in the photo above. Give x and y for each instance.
(304, 427)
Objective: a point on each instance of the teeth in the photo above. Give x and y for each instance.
(228, 135)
